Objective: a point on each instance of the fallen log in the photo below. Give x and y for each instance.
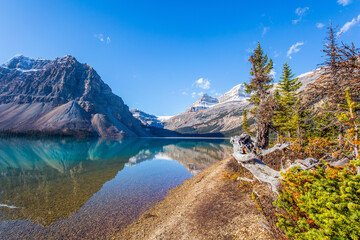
(249, 157)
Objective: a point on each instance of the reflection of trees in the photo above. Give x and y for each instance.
(198, 157)
(195, 155)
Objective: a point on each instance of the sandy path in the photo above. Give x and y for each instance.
(204, 207)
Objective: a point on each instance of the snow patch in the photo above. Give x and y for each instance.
(162, 157)
(305, 74)
(163, 118)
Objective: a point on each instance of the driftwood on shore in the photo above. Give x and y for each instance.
(247, 154)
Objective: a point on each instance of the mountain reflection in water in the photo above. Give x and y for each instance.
(51, 188)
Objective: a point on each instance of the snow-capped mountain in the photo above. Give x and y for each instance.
(205, 101)
(223, 114)
(149, 119)
(23, 64)
(237, 93)
(61, 95)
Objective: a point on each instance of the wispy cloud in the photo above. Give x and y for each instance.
(300, 12)
(102, 38)
(294, 49)
(215, 93)
(320, 25)
(348, 25)
(197, 94)
(276, 54)
(265, 30)
(202, 83)
(272, 73)
(344, 2)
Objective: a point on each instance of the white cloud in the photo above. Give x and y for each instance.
(196, 94)
(294, 49)
(184, 93)
(348, 25)
(202, 83)
(265, 30)
(300, 12)
(99, 36)
(344, 2)
(272, 73)
(102, 38)
(320, 25)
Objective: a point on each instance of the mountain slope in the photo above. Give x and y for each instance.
(62, 94)
(223, 114)
(204, 102)
(148, 120)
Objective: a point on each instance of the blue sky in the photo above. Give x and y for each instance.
(160, 55)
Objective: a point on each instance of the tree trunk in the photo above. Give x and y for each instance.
(262, 136)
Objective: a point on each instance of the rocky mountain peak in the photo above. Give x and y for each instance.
(205, 101)
(61, 94)
(237, 93)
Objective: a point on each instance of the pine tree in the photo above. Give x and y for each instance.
(259, 87)
(287, 117)
(245, 123)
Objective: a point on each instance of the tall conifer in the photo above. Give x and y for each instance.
(259, 87)
(287, 116)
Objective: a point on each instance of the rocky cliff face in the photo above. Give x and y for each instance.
(62, 94)
(222, 114)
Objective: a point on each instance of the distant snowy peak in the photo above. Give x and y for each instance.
(25, 64)
(163, 118)
(20, 62)
(149, 119)
(237, 93)
(310, 77)
(205, 101)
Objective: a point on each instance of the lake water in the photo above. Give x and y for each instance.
(89, 188)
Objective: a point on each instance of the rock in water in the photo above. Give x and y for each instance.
(58, 95)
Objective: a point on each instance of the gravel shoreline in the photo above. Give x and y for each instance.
(207, 206)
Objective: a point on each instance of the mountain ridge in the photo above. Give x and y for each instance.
(222, 115)
(61, 94)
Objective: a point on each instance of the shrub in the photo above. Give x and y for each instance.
(320, 204)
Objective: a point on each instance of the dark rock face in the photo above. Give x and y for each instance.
(59, 95)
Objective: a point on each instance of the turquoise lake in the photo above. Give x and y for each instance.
(92, 188)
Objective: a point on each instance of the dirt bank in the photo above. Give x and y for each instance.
(208, 206)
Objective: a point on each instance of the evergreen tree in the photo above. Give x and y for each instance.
(287, 117)
(259, 87)
(245, 123)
